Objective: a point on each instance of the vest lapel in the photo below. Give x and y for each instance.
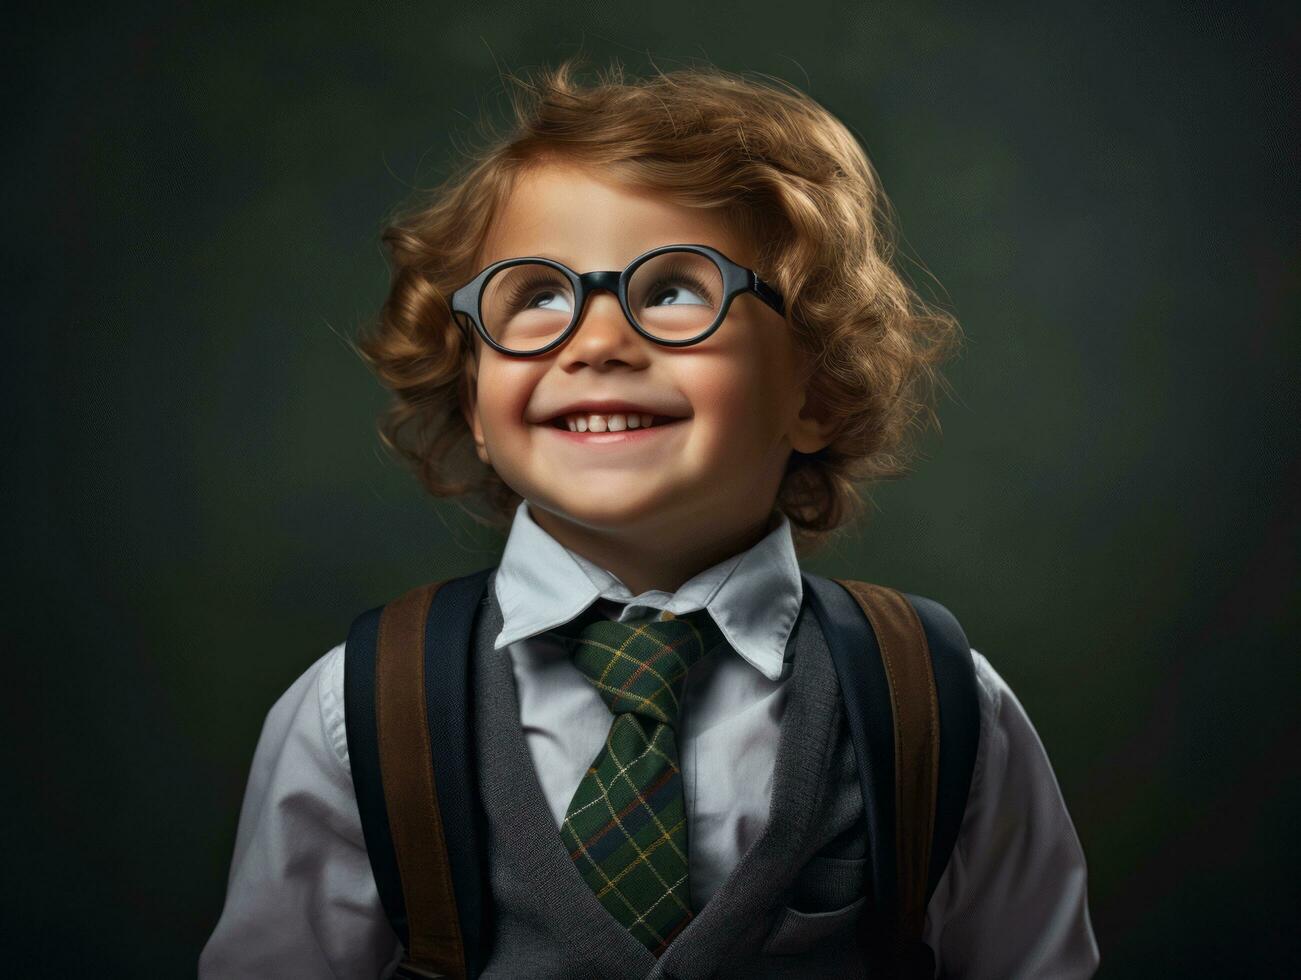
(521, 828)
(737, 914)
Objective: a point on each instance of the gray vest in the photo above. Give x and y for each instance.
(789, 907)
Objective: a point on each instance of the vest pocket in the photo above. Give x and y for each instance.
(797, 932)
(828, 883)
(827, 896)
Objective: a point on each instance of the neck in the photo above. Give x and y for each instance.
(661, 558)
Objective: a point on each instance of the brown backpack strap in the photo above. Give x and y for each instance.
(406, 764)
(907, 661)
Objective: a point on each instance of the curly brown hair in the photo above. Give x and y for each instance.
(774, 165)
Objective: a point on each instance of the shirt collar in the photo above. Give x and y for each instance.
(754, 596)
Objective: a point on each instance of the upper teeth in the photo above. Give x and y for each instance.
(616, 422)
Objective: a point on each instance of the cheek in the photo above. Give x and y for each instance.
(504, 390)
(746, 396)
(735, 407)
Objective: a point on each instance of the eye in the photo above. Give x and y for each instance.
(547, 299)
(539, 293)
(677, 294)
(678, 286)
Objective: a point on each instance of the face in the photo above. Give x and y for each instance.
(707, 480)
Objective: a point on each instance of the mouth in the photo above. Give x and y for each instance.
(621, 423)
(641, 435)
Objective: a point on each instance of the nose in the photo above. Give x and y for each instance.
(603, 333)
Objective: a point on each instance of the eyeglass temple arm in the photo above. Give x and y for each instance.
(767, 293)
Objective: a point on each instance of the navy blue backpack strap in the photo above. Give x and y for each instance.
(866, 689)
(955, 683)
(407, 682)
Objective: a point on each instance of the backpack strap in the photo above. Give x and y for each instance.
(915, 710)
(401, 687)
(406, 683)
(907, 652)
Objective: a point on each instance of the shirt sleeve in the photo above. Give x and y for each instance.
(1012, 903)
(301, 899)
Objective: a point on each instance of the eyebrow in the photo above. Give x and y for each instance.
(569, 262)
(519, 255)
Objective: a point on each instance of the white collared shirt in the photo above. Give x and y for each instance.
(301, 899)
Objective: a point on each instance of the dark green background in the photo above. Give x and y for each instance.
(198, 504)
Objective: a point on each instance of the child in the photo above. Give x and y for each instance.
(659, 444)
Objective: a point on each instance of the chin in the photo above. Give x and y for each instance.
(603, 514)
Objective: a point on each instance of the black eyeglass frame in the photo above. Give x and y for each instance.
(737, 279)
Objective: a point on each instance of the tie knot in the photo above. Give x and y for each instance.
(641, 667)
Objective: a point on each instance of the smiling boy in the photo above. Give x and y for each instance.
(706, 255)
(651, 506)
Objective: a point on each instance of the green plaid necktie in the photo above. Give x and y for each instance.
(626, 827)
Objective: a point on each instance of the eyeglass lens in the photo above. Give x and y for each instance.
(672, 296)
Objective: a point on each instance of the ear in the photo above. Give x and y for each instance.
(470, 408)
(812, 429)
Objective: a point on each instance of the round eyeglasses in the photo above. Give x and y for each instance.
(675, 295)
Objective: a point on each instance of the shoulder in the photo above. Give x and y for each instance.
(1016, 801)
(311, 711)
(1008, 738)
(990, 692)
(1013, 899)
(300, 897)
(329, 693)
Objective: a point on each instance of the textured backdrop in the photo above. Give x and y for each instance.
(197, 503)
